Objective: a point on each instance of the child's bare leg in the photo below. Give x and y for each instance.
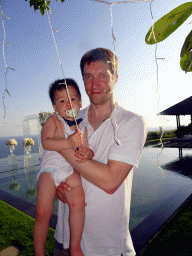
(45, 200)
(76, 202)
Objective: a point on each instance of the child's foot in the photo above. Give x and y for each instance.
(76, 252)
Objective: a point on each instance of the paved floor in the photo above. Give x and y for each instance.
(10, 251)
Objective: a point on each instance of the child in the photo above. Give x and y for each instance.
(54, 168)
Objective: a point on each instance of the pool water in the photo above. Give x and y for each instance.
(152, 185)
(21, 181)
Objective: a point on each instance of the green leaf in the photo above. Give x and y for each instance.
(186, 62)
(42, 10)
(187, 44)
(186, 54)
(169, 23)
(189, 62)
(40, 4)
(43, 6)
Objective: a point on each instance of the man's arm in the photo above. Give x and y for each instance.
(105, 176)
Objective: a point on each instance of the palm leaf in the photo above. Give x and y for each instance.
(169, 23)
(186, 62)
(187, 44)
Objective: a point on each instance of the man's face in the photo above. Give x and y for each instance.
(61, 101)
(99, 82)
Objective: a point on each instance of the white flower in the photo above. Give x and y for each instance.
(28, 142)
(11, 142)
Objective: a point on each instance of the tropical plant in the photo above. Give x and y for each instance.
(41, 4)
(167, 25)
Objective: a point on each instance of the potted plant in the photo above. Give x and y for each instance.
(27, 143)
(11, 143)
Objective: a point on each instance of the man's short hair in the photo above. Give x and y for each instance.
(60, 84)
(100, 54)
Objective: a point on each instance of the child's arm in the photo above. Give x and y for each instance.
(57, 144)
(83, 152)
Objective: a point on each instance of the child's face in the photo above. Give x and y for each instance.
(61, 101)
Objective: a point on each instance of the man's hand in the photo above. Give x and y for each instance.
(60, 191)
(76, 139)
(83, 153)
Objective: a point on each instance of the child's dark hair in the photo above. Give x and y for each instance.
(60, 84)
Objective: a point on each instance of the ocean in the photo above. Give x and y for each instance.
(19, 149)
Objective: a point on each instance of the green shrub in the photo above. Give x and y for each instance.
(153, 135)
(157, 135)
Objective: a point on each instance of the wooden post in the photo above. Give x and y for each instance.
(180, 153)
(178, 121)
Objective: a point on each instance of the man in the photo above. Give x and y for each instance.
(117, 137)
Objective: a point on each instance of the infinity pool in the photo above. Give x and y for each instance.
(152, 184)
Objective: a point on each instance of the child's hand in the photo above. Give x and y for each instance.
(83, 154)
(76, 139)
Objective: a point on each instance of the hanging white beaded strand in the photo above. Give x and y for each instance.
(59, 57)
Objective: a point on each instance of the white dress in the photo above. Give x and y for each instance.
(54, 163)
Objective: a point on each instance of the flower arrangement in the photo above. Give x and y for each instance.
(11, 142)
(28, 142)
(14, 186)
(43, 116)
(31, 192)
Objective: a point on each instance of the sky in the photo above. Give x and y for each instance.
(84, 25)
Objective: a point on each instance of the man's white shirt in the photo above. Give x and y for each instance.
(106, 230)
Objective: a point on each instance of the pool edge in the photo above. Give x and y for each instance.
(140, 234)
(157, 219)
